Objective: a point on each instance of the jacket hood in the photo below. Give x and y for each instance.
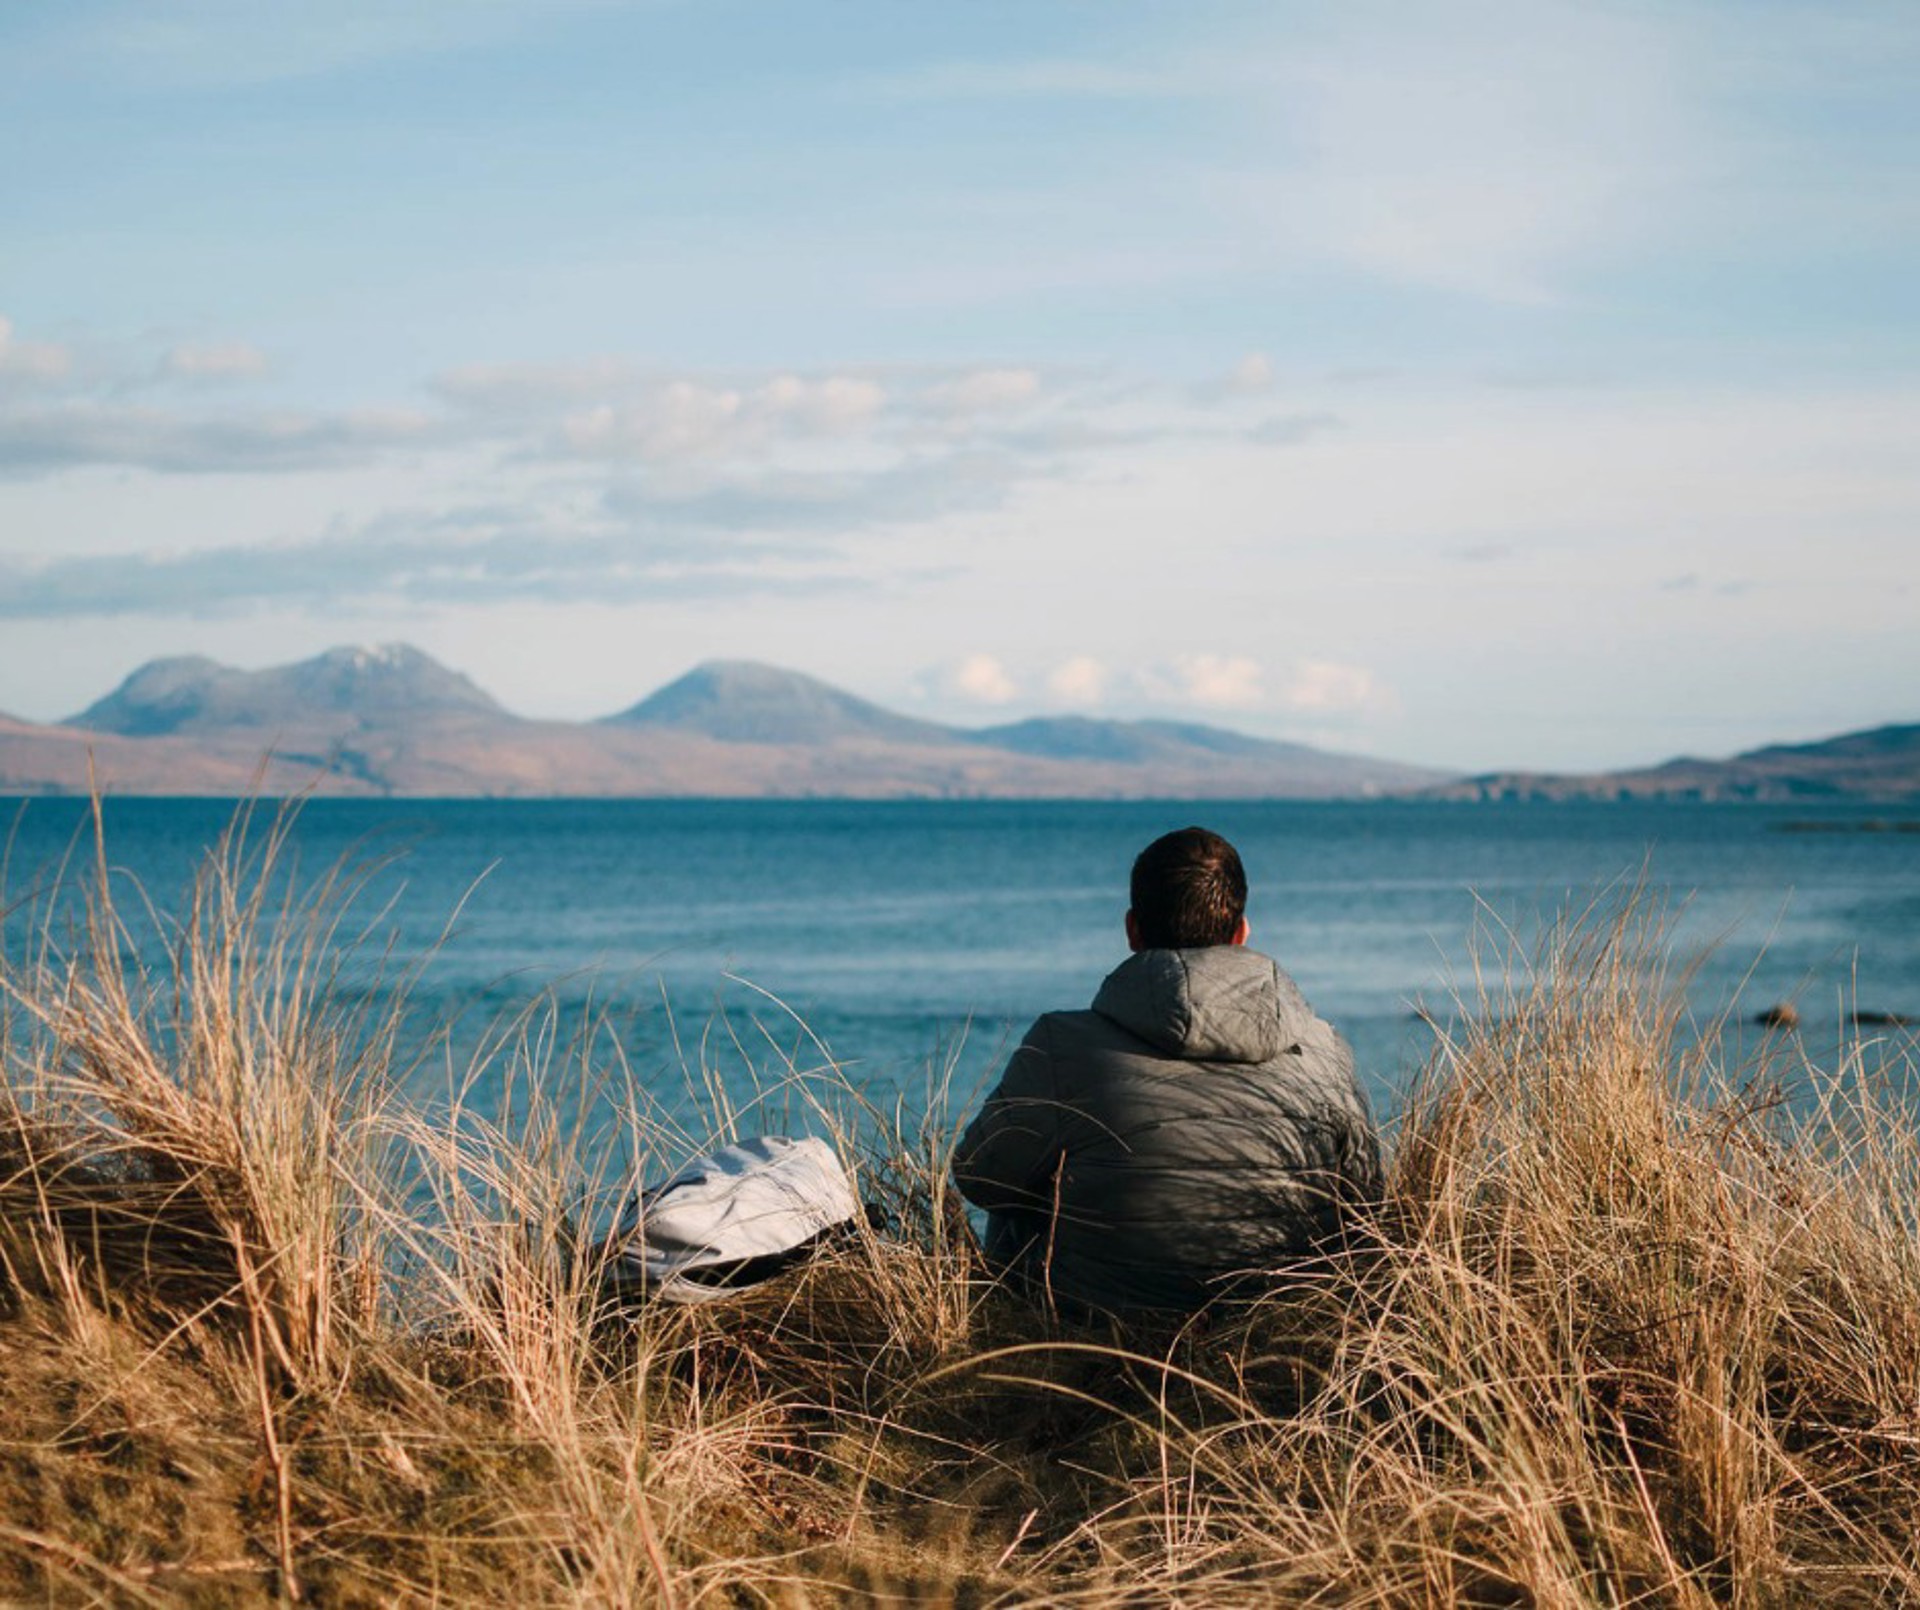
(1222, 1003)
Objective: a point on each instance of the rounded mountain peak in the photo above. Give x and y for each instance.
(193, 694)
(746, 701)
(385, 676)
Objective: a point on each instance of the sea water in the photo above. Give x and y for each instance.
(904, 946)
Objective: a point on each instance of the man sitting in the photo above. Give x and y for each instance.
(1198, 1124)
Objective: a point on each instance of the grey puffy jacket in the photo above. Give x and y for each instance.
(1197, 1124)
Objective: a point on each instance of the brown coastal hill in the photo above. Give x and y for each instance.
(38, 759)
(392, 721)
(1881, 763)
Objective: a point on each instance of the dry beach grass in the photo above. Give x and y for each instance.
(1632, 1331)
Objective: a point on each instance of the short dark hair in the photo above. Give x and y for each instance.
(1188, 889)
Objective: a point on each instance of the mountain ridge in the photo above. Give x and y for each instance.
(747, 701)
(392, 720)
(1880, 762)
(191, 693)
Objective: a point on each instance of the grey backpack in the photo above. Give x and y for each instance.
(731, 1220)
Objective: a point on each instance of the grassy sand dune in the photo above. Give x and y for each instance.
(1634, 1330)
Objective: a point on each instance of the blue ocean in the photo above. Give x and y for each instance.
(717, 943)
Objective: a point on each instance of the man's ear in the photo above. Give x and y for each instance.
(1242, 933)
(1133, 932)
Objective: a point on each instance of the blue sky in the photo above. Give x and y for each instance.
(1479, 383)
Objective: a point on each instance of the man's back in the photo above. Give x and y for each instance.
(1198, 1123)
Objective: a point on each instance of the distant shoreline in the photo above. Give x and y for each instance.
(1841, 822)
(394, 723)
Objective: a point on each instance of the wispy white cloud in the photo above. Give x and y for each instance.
(1204, 684)
(685, 419)
(65, 408)
(1289, 430)
(110, 371)
(609, 390)
(982, 391)
(520, 388)
(1308, 688)
(1327, 687)
(1079, 681)
(32, 360)
(434, 560)
(46, 440)
(228, 360)
(834, 404)
(1252, 375)
(916, 489)
(983, 679)
(1214, 681)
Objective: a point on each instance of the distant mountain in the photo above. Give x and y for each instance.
(195, 695)
(37, 759)
(1195, 747)
(740, 701)
(1882, 763)
(393, 721)
(1089, 738)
